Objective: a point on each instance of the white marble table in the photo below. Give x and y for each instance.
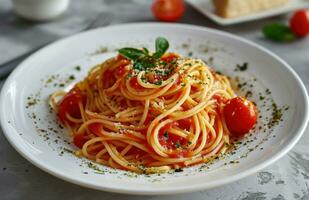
(286, 179)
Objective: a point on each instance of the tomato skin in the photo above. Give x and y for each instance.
(240, 116)
(299, 23)
(168, 10)
(79, 140)
(70, 104)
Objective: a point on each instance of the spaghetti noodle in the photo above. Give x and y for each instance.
(147, 113)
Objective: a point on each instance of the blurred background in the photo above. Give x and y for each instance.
(26, 25)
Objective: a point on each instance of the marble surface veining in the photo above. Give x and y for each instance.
(286, 179)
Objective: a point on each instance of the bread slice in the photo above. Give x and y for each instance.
(236, 8)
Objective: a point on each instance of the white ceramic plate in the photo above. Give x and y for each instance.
(206, 7)
(34, 132)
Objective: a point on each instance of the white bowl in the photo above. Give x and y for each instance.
(40, 10)
(50, 150)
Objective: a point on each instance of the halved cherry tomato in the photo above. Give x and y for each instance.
(240, 116)
(168, 10)
(299, 23)
(79, 140)
(70, 104)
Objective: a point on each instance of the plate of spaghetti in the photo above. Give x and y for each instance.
(161, 109)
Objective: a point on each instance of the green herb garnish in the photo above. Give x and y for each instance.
(132, 53)
(78, 68)
(278, 32)
(242, 67)
(142, 59)
(179, 170)
(166, 135)
(161, 47)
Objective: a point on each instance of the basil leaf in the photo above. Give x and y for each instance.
(146, 51)
(278, 32)
(161, 47)
(131, 53)
(138, 66)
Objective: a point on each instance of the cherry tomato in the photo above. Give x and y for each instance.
(240, 116)
(299, 23)
(168, 10)
(79, 140)
(70, 104)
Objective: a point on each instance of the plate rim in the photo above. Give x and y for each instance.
(155, 191)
